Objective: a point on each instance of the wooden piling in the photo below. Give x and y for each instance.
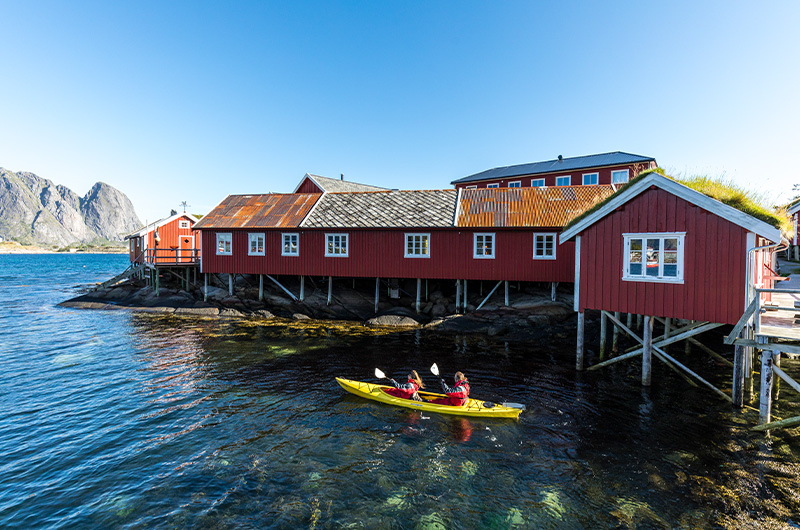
(205, 287)
(506, 293)
(667, 330)
(330, 289)
(579, 349)
(647, 353)
(419, 293)
(302, 288)
(737, 390)
(260, 287)
(603, 334)
(458, 294)
(765, 400)
(377, 292)
(615, 334)
(553, 286)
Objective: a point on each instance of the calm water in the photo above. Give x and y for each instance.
(117, 419)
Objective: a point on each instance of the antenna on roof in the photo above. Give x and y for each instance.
(341, 176)
(185, 205)
(560, 158)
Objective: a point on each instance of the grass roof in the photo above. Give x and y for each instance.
(724, 191)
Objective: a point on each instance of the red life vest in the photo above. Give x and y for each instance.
(458, 399)
(405, 393)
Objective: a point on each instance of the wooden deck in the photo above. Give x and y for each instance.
(781, 324)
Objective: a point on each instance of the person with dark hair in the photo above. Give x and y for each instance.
(458, 394)
(409, 389)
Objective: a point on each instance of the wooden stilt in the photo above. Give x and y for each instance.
(737, 389)
(377, 292)
(647, 353)
(465, 298)
(579, 349)
(330, 289)
(205, 287)
(553, 286)
(302, 288)
(765, 401)
(667, 330)
(158, 283)
(260, 287)
(639, 322)
(629, 320)
(776, 365)
(615, 334)
(603, 334)
(458, 295)
(426, 290)
(419, 293)
(506, 293)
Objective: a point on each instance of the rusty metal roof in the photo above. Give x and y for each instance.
(551, 207)
(260, 211)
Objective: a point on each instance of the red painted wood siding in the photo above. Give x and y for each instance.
(170, 235)
(714, 262)
(308, 186)
(379, 253)
(576, 176)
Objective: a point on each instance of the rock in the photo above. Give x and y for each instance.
(393, 321)
(438, 310)
(263, 313)
(198, 311)
(539, 320)
(155, 309)
(300, 316)
(214, 293)
(230, 313)
(435, 296)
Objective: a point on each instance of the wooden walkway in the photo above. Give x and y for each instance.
(783, 324)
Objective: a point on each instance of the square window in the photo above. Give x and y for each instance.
(291, 245)
(417, 246)
(590, 179)
(224, 244)
(563, 181)
(537, 183)
(619, 176)
(256, 247)
(336, 246)
(471, 187)
(183, 224)
(515, 184)
(494, 185)
(655, 257)
(483, 246)
(544, 246)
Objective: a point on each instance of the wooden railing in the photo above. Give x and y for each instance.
(175, 256)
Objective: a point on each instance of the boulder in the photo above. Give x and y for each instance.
(230, 313)
(393, 321)
(300, 316)
(198, 311)
(213, 293)
(262, 313)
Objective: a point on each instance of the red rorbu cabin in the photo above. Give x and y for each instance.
(317, 184)
(615, 168)
(167, 241)
(794, 211)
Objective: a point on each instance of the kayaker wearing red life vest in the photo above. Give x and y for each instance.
(409, 389)
(456, 395)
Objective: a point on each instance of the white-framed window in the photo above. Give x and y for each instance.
(544, 246)
(224, 243)
(619, 177)
(590, 179)
(493, 185)
(474, 187)
(336, 246)
(291, 244)
(484, 246)
(653, 257)
(183, 224)
(132, 243)
(515, 184)
(563, 181)
(418, 246)
(537, 183)
(255, 244)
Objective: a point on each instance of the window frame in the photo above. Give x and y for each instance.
(255, 236)
(515, 184)
(542, 185)
(472, 187)
(627, 176)
(569, 180)
(475, 254)
(296, 235)
(493, 185)
(553, 236)
(222, 236)
(594, 174)
(427, 237)
(183, 224)
(340, 235)
(661, 236)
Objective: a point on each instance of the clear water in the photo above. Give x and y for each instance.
(117, 419)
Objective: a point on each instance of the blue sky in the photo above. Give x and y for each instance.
(192, 101)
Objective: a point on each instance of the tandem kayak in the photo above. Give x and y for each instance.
(474, 407)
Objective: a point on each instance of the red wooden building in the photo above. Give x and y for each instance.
(608, 168)
(167, 241)
(317, 184)
(794, 250)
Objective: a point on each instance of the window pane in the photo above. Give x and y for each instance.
(635, 257)
(653, 254)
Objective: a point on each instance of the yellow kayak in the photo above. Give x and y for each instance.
(474, 407)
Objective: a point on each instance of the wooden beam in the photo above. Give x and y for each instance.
(464, 301)
(302, 288)
(647, 351)
(230, 284)
(489, 295)
(205, 287)
(579, 349)
(603, 334)
(260, 287)
(458, 294)
(765, 400)
(284, 289)
(788, 422)
(419, 293)
(377, 292)
(745, 318)
(615, 334)
(775, 346)
(783, 375)
(330, 289)
(553, 286)
(506, 293)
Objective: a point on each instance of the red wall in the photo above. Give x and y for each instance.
(550, 178)
(170, 234)
(714, 262)
(308, 186)
(379, 253)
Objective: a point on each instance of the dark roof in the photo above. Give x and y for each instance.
(555, 166)
(336, 185)
(551, 207)
(384, 209)
(259, 211)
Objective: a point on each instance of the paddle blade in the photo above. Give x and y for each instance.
(435, 369)
(379, 374)
(514, 405)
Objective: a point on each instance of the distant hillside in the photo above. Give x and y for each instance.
(34, 210)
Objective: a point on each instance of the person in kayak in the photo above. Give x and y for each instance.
(457, 395)
(409, 389)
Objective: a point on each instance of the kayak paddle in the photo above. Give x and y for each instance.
(379, 374)
(435, 369)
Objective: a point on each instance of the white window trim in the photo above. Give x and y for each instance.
(346, 245)
(225, 236)
(256, 235)
(515, 184)
(283, 244)
(184, 224)
(626, 248)
(414, 234)
(555, 242)
(596, 174)
(569, 180)
(493, 185)
(475, 245)
(473, 187)
(627, 176)
(537, 185)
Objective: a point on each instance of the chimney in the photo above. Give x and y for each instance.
(341, 176)
(560, 158)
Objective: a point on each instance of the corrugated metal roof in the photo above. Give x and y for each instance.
(259, 211)
(387, 209)
(336, 185)
(551, 207)
(555, 166)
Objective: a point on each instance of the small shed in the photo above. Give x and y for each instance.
(168, 240)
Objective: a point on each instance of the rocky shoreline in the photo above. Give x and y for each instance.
(530, 314)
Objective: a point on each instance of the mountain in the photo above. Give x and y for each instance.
(35, 210)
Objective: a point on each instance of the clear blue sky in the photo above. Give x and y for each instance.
(174, 101)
